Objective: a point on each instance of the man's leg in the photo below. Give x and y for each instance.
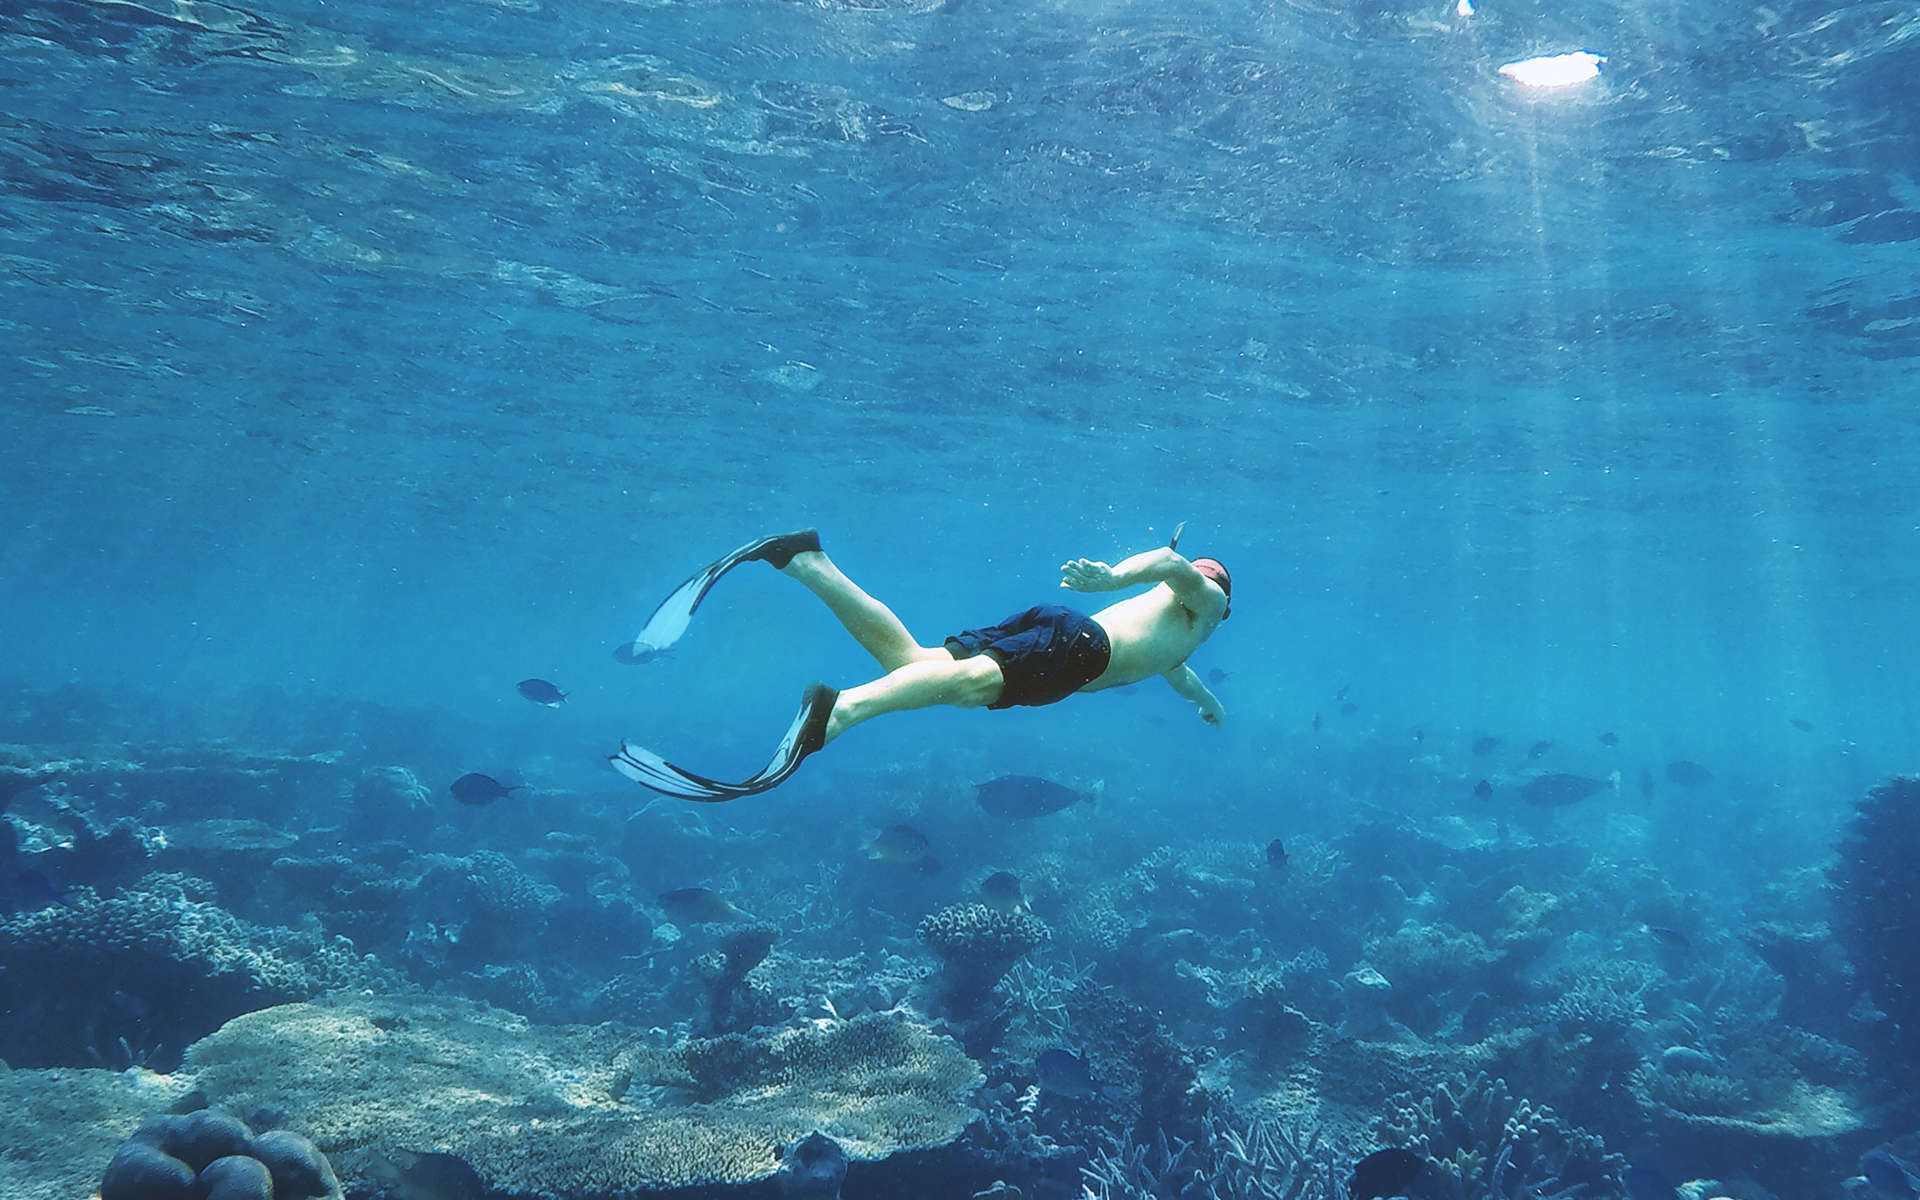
(963, 683)
(871, 623)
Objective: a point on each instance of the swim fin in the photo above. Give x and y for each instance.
(807, 734)
(672, 615)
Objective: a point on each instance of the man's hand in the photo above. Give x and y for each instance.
(1086, 575)
(1212, 713)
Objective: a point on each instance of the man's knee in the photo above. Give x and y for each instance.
(981, 681)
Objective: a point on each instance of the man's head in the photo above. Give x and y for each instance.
(1216, 570)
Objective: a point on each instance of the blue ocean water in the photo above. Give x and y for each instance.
(362, 359)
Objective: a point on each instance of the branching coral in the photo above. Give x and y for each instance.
(1261, 1160)
(1499, 1147)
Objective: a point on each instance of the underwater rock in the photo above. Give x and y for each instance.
(139, 1171)
(1369, 998)
(593, 1110)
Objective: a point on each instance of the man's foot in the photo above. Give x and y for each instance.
(816, 705)
(779, 551)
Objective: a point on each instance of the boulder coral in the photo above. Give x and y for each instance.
(582, 1110)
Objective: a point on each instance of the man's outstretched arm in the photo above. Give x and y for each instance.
(1162, 565)
(1184, 681)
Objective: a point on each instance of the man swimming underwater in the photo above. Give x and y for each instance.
(1036, 657)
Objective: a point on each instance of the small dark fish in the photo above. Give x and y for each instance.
(541, 692)
(1650, 1183)
(1609, 738)
(1316, 722)
(1646, 783)
(1671, 939)
(1419, 735)
(1002, 893)
(1349, 708)
(901, 845)
(1538, 750)
(1216, 676)
(1688, 774)
(1021, 797)
(1483, 746)
(1064, 1073)
(1276, 854)
(436, 1175)
(699, 906)
(481, 789)
(1889, 1177)
(1393, 1171)
(1802, 724)
(1559, 789)
(1342, 693)
(33, 891)
(1483, 790)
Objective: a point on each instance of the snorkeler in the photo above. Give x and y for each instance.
(1036, 657)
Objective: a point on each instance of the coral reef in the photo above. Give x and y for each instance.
(591, 1109)
(1876, 904)
(214, 1156)
(63, 1125)
(1499, 1147)
(977, 946)
(134, 978)
(735, 1004)
(1260, 1160)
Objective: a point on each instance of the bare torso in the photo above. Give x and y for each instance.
(1151, 634)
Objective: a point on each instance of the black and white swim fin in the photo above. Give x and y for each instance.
(807, 734)
(671, 617)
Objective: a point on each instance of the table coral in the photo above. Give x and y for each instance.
(546, 1111)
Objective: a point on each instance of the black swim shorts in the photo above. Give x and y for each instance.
(1046, 653)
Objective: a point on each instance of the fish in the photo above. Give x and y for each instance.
(699, 906)
(1483, 790)
(1889, 1177)
(1419, 735)
(1394, 1171)
(1688, 774)
(1672, 939)
(1002, 893)
(541, 692)
(1217, 676)
(903, 846)
(1277, 854)
(474, 788)
(1342, 693)
(33, 891)
(1649, 1183)
(1316, 722)
(1483, 746)
(1538, 750)
(429, 1175)
(1802, 724)
(1022, 797)
(1646, 783)
(1064, 1073)
(1559, 789)
(1609, 738)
